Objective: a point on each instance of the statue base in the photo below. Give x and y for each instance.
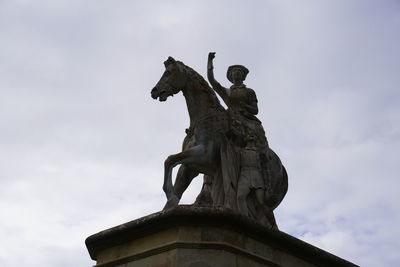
(189, 236)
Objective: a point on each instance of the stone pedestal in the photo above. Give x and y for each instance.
(190, 236)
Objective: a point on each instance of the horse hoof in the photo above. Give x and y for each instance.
(171, 203)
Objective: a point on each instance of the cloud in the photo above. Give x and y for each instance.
(83, 144)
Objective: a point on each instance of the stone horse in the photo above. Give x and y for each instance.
(205, 146)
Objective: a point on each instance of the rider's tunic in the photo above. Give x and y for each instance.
(241, 120)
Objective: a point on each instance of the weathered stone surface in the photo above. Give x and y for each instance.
(190, 236)
(228, 146)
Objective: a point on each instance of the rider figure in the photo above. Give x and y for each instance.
(242, 109)
(240, 100)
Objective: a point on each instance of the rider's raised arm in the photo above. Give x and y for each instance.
(221, 91)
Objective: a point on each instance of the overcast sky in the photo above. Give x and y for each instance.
(82, 143)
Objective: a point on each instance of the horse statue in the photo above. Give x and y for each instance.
(206, 147)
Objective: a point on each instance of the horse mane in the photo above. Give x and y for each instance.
(195, 77)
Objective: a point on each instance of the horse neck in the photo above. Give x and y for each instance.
(199, 100)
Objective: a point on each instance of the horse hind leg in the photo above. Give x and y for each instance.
(204, 199)
(183, 179)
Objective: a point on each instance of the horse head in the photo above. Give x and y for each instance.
(172, 81)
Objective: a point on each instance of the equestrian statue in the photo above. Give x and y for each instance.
(228, 146)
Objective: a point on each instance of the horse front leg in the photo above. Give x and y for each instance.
(191, 156)
(167, 186)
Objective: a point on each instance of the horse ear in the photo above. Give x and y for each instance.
(169, 61)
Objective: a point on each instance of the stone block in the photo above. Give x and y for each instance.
(190, 236)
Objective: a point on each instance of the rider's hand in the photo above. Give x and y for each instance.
(211, 55)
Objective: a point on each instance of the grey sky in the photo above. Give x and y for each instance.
(83, 144)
